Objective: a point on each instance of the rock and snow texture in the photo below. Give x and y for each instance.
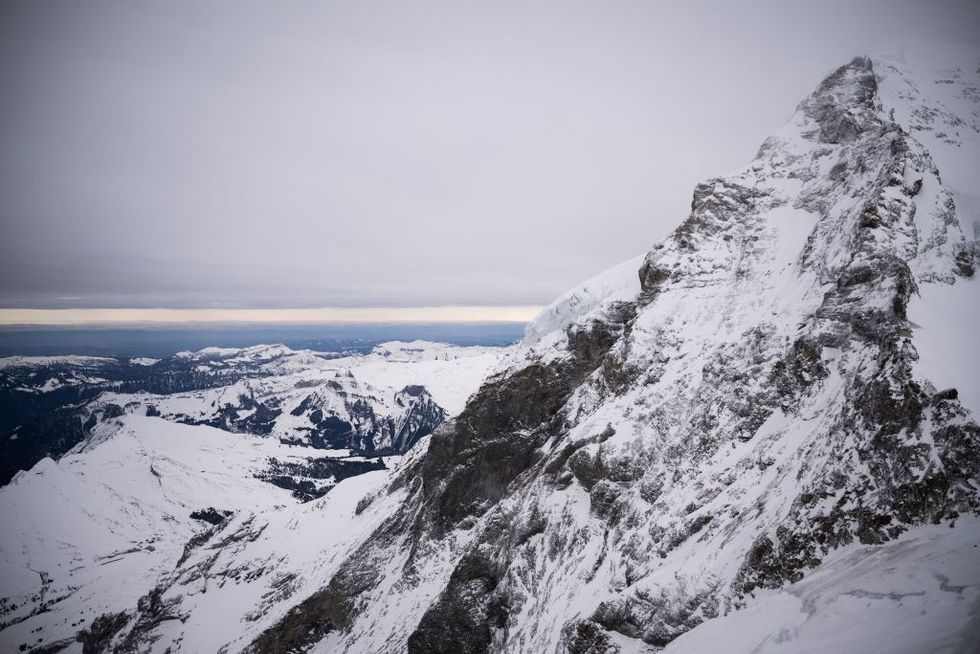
(618, 283)
(93, 533)
(746, 427)
(98, 526)
(384, 401)
(918, 593)
(662, 451)
(66, 360)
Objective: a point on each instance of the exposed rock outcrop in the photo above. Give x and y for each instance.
(748, 402)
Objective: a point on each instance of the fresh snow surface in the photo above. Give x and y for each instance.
(621, 282)
(908, 596)
(96, 529)
(450, 373)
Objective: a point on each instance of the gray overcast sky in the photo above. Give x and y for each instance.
(290, 154)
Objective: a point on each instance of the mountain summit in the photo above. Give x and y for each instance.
(719, 421)
(781, 392)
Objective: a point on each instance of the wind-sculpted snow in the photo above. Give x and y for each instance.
(619, 283)
(747, 420)
(919, 592)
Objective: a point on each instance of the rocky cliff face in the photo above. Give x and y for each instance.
(667, 443)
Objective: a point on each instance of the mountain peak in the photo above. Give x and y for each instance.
(843, 106)
(664, 449)
(730, 416)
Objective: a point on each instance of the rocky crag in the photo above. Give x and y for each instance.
(677, 436)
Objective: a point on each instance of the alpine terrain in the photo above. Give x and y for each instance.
(760, 436)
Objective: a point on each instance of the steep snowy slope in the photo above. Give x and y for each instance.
(752, 414)
(918, 593)
(94, 532)
(939, 102)
(91, 533)
(753, 407)
(619, 283)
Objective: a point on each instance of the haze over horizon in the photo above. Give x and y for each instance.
(182, 317)
(385, 158)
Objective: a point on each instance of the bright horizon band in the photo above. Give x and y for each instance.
(461, 314)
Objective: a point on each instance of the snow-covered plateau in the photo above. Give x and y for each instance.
(760, 436)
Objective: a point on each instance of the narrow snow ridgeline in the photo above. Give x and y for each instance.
(752, 442)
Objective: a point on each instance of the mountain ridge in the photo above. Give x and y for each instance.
(823, 395)
(744, 415)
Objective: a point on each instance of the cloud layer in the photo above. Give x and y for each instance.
(283, 155)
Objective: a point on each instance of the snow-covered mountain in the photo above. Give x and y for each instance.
(381, 401)
(91, 533)
(155, 474)
(760, 436)
(378, 402)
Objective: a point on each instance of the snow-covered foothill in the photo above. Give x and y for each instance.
(93, 532)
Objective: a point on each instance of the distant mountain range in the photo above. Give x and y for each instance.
(161, 342)
(299, 397)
